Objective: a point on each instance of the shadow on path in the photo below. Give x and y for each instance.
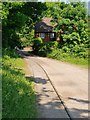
(52, 108)
(79, 100)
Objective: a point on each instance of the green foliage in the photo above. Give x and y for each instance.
(41, 48)
(70, 20)
(18, 96)
(65, 55)
(18, 19)
(46, 48)
(6, 53)
(24, 42)
(37, 44)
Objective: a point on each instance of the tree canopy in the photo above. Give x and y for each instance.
(18, 19)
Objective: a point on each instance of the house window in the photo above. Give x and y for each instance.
(51, 35)
(42, 35)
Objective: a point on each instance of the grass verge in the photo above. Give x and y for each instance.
(18, 96)
(65, 57)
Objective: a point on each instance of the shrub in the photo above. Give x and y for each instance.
(24, 42)
(65, 49)
(83, 54)
(43, 49)
(37, 44)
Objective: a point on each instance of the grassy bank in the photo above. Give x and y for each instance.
(65, 57)
(18, 95)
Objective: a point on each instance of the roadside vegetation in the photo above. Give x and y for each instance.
(77, 55)
(72, 26)
(18, 19)
(70, 57)
(18, 96)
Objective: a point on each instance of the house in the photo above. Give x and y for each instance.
(44, 29)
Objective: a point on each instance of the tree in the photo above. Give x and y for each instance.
(18, 19)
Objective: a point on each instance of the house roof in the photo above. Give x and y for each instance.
(44, 25)
(47, 20)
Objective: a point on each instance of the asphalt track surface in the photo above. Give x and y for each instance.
(61, 88)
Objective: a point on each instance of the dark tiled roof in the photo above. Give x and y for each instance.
(44, 25)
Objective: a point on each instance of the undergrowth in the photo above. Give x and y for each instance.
(75, 54)
(18, 96)
(67, 57)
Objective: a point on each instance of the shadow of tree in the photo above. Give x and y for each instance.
(24, 54)
(37, 80)
(79, 100)
(53, 105)
(40, 81)
(52, 108)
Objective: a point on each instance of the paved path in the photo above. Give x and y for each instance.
(69, 81)
(49, 105)
(71, 84)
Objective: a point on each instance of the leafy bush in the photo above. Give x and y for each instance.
(24, 42)
(7, 52)
(37, 44)
(54, 54)
(72, 38)
(65, 49)
(83, 54)
(43, 49)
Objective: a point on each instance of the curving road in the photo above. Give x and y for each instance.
(68, 83)
(71, 84)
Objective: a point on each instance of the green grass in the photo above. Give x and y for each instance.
(65, 57)
(77, 61)
(18, 95)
